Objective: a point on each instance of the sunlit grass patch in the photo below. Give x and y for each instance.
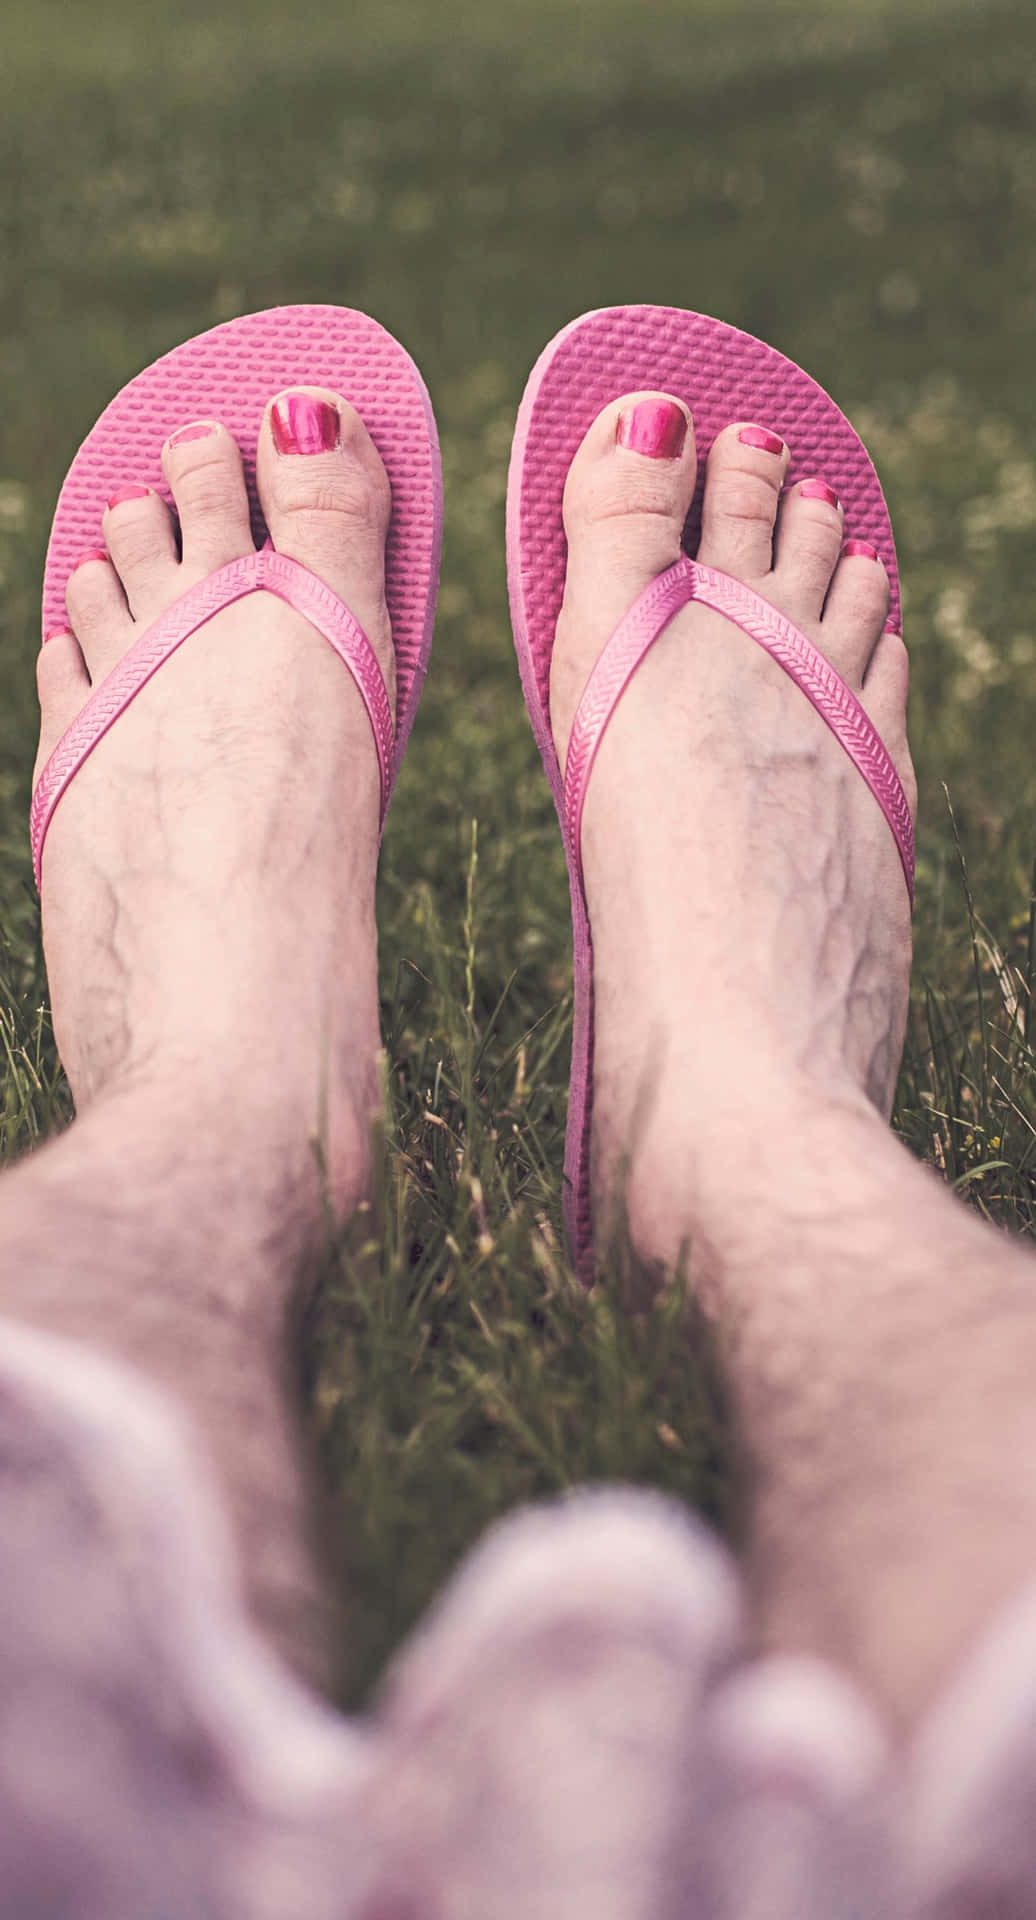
(456, 1365)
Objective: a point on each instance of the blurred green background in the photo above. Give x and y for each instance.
(854, 180)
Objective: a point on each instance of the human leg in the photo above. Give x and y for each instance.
(748, 1029)
(164, 1231)
(208, 924)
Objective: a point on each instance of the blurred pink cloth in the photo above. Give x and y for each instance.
(575, 1732)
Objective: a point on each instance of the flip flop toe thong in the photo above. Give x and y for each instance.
(724, 375)
(229, 374)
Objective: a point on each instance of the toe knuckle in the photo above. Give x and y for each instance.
(210, 490)
(347, 494)
(136, 543)
(866, 598)
(817, 524)
(739, 496)
(816, 546)
(86, 594)
(621, 500)
(340, 496)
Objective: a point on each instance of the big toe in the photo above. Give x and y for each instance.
(327, 502)
(626, 499)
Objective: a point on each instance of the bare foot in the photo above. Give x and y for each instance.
(208, 878)
(751, 923)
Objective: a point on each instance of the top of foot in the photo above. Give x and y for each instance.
(750, 919)
(208, 875)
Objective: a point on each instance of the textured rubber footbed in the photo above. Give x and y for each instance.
(229, 374)
(724, 375)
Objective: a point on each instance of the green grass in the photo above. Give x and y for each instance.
(854, 182)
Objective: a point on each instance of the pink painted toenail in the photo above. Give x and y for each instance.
(758, 437)
(859, 550)
(819, 490)
(92, 553)
(302, 424)
(657, 428)
(57, 633)
(200, 431)
(127, 493)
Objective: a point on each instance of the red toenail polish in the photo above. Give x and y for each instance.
(302, 424)
(200, 431)
(127, 493)
(57, 633)
(655, 427)
(758, 437)
(859, 550)
(92, 553)
(819, 490)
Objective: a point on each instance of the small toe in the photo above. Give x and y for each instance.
(855, 610)
(884, 697)
(808, 542)
(203, 468)
(327, 501)
(743, 480)
(63, 686)
(98, 613)
(138, 530)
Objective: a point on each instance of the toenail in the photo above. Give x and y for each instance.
(859, 550)
(199, 431)
(57, 633)
(819, 490)
(655, 427)
(127, 493)
(302, 424)
(758, 437)
(92, 553)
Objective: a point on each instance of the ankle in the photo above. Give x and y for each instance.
(708, 1172)
(284, 1172)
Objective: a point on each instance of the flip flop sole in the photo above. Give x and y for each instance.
(229, 374)
(723, 375)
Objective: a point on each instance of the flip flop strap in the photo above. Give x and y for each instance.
(265, 572)
(781, 639)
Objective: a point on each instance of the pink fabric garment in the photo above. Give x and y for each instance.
(724, 375)
(576, 1727)
(229, 374)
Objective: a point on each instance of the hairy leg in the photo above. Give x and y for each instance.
(208, 890)
(175, 1274)
(882, 1343)
(749, 1023)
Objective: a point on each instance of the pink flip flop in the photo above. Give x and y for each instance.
(724, 375)
(229, 374)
